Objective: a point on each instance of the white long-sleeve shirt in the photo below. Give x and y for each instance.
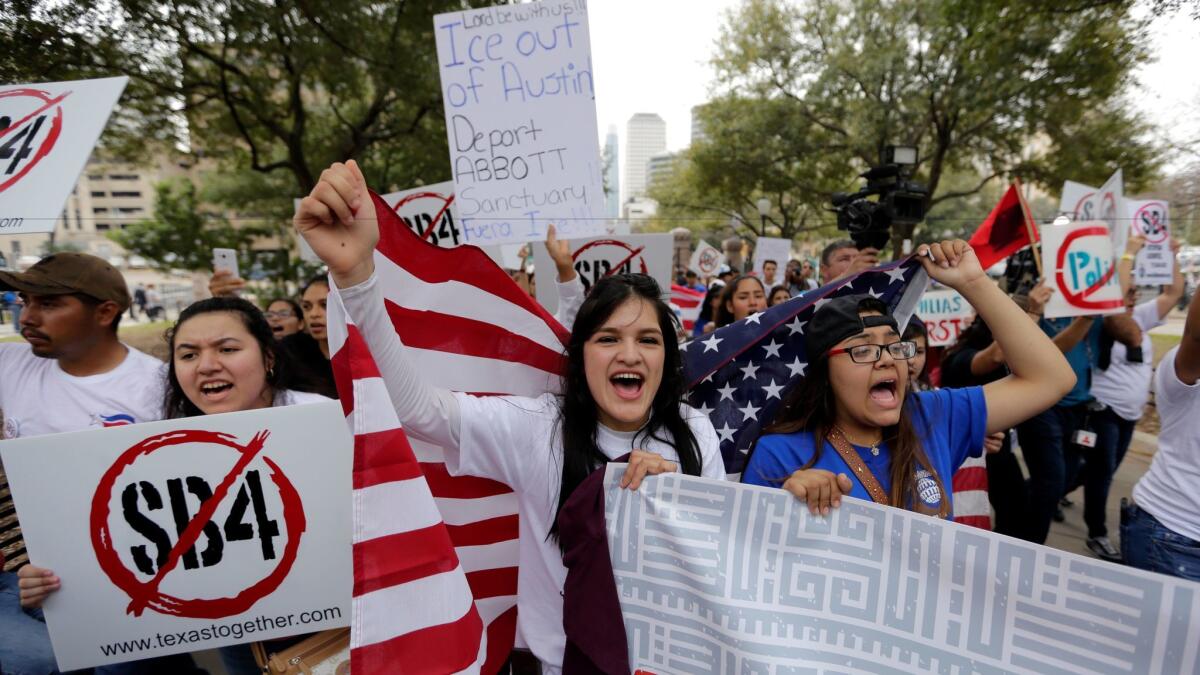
(512, 439)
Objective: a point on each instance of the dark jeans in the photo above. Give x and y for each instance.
(1008, 492)
(1113, 435)
(1052, 460)
(1150, 545)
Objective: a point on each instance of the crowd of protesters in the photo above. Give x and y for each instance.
(1042, 405)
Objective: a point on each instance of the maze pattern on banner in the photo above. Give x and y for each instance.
(720, 577)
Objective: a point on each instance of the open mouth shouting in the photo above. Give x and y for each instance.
(215, 391)
(884, 393)
(628, 384)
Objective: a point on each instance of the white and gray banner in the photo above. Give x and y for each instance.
(717, 577)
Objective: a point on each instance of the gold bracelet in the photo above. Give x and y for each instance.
(1127, 256)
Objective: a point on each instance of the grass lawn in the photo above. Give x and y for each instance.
(1162, 344)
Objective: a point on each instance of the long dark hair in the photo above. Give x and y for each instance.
(724, 315)
(706, 312)
(811, 406)
(578, 418)
(177, 403)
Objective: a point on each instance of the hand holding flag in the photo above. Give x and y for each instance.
(337, 219)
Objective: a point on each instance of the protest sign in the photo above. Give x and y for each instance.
(1075, 201)
(1155, 263)
(715, 576)
(47, 132)
(604, 256)
(778, 250)
(1106, 206)
(946, 314)
(429, 211)
(520, 108)
(1078, 258)
(706, 259)
(189, 534)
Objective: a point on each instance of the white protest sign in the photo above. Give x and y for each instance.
(521, 120)
(150, 565)
(604, 256)
(47, 131)
(1155, 263)
(1105, 205)
(946, 314)
(775, 250)
(1078, 258)
(1076, 201)
(706, 259)
(429, 211)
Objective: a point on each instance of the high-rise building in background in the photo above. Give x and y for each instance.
(697, 125)
(612, 174)
(660, 166)
(645, 136)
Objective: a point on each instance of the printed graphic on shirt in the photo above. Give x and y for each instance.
(12, 427)
(927, 488)
(115, 420)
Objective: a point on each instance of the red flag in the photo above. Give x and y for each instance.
(1005, 231)
(435, 556)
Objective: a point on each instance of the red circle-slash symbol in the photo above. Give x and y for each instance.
(708, 261)
(1151, 221)
(146, 594)
(436, 197)
(1080, 298)
(628, 253)
(30, 123)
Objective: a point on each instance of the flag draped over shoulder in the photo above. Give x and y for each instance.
(1005, 230)
(739, 374)
(435, 557)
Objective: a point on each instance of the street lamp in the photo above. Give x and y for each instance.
(764, 207)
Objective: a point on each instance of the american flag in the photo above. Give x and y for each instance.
(435, 557)
(689, 302)
(739, 374)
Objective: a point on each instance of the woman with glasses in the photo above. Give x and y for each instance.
(285, 317)
(854, 426)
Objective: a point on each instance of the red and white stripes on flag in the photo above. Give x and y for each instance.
(435, 557)
(689, 302)
(970, 486)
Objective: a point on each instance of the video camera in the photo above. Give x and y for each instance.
(900, 201)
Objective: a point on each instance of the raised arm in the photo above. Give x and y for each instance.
(1187, 360)
(1171, 295)
(1040, 375)
(568, 283)
(338, 221)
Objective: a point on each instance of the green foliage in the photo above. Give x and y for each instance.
(811, 92)
(183, 234)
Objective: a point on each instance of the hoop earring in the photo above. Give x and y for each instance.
(271, 372)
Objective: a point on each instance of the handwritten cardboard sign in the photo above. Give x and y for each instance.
(189, 534)
(1078, 259)
(519, 98)
(600, 257)
(1155, 263)
(47, 132)
(946, 314)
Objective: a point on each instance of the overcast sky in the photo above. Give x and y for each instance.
(652, 56)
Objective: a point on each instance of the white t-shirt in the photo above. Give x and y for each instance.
(1170, 489)
(293, 397)
(1125, 386)
(516, 441)
(38, 397)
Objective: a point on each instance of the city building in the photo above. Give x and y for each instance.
(645, 136)
(638, 209)
(612, 174)
(660, 166)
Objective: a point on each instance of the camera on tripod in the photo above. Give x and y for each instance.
(898, 199)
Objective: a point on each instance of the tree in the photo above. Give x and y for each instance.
(990, 88)
(183, 233)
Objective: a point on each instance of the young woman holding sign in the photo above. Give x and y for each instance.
(853, 426)
(622, 393)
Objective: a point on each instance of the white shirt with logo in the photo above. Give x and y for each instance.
(1125, 386)
(37, 397)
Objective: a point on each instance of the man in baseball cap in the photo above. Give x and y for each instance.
(68, 296)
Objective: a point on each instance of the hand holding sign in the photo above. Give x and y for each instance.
(36, 584)
(338, 221)
(560, 253)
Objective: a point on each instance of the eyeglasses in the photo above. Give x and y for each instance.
(871, 353)
(281, 314)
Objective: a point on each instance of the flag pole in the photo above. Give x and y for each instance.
(1037, 257)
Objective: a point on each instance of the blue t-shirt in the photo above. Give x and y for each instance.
(1082, 358)
(949, 422)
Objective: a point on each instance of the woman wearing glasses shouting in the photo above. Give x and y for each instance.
(853, 426)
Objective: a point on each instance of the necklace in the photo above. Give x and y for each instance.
(873, 446)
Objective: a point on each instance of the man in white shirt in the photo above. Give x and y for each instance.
(72, 373)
